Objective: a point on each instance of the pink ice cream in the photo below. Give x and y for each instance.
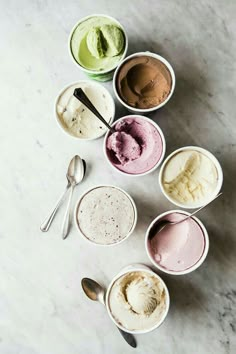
(125, 147)
(136, 147)
(178, 247)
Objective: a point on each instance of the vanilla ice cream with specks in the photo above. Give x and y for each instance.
(137, 301)
(106, 215)
(190, 177)
(77, 119)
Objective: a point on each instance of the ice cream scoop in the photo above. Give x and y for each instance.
(125, 147)
(97, 43)
(137, 147)
(107, 40)
(141, 297)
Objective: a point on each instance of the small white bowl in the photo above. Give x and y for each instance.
(211, 157)
(100, 75)
(137, 268)
(100, 244)
(59, 122)
(163, 146)
(152, 109)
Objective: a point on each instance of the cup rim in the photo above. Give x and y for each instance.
(211, 157)
(201, 259)
(138, 268)
(153, 55)
(160, 133)
(97, 72)
(110, 244)
(58, 120)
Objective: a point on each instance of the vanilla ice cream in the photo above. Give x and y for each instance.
(77, 119)
(137, 301)
(190, 177)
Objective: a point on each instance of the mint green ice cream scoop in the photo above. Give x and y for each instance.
(98, 44)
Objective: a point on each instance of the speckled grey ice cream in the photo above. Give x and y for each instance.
(105, 215)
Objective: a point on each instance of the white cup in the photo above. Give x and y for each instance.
(58, 119)
(146, 110)
(138, 268)
(199, 262)
(111, 244)
(163, 146)
(100, 75)
(207, 154)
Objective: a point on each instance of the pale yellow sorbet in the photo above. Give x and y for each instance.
(137, 301)
(190, 178)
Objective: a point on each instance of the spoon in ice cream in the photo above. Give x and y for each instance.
(96, 292)
(159, 226)
(82, 97)
(75, 175)
(46, 224)
(123, 144)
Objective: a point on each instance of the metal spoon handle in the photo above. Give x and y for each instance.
(46, 224)
(129, 338)
(66, 221)
(196, 211)
(82, 97)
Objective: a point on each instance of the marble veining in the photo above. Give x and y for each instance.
(42, 307)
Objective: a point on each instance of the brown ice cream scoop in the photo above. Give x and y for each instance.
(143, 82)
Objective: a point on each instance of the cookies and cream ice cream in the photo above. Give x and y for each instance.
(143, 82)
(137, 301)
(105, 215)
(98, 43)
(136, 146)
(77, 119)
(190, 177)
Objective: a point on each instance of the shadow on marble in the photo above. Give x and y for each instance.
(147, 211)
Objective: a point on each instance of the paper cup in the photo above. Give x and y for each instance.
(219, 172)
(141, 110)
(111, 244)
(137, 268)
(201, 259)
(101, 75)
(163, 146)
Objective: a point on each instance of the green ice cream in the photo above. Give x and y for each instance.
(98, 43)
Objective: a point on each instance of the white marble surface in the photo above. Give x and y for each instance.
(42, 307)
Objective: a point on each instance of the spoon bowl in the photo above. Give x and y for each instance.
(93, 290)
(46, 224)
(75, 175)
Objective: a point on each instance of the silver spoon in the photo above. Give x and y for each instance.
(46, 224)
(159, 226)
(82, 97)
(96, 292)
(75, 175)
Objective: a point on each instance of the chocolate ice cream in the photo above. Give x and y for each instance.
(143, 82)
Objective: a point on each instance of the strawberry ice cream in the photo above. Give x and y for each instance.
(177, 247)
(136, 146)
